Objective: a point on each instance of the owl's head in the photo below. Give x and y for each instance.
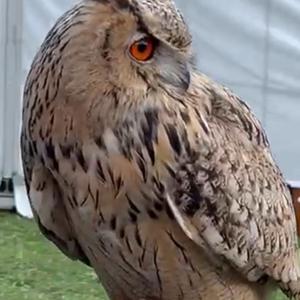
(127, 44)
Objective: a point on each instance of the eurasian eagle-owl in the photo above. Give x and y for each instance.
(145, 169)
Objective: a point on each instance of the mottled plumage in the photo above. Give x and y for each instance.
(156, 176)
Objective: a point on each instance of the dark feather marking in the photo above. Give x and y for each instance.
(187, 147)
(133, 216)
(41, 186)
(132, 205)
(140, 263)
(173, 138)
(179, 246)
(142, 167)
(128, 245)
(132, 268)
(113, 222)
(142, 258)
(190, 281)
(158, 206)
(34, 146)
(31, 151)
(92, 252)
(157, 269)
(111, 175)
(169, 212)
(119, 184)
(45, 79)
(33, 107)
(146, 196)
(158, 185)
(152, 214)
(102, 245)
(64, 45)
(122, 232)
(181, 293)
(151, 116)
(185, 117)
(81, 160)
(170, 171)
(149, 132)
(105, 47)
(100, 172)
(40, 111)
(211, 208)
(116, 98)
(97, 200)
(50, 151)
(42, 160)
(150, 149)
(159, 196)
(66, 151)
(193, 205)
(47, 95)
(100, 143)
(101, 216)
(71, 202)
(138, 236)
(84, 200)
(143, 76)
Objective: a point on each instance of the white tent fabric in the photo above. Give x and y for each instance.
(252, 46)
(2, 78)
(10, 62)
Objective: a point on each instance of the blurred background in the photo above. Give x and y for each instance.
(251, 46)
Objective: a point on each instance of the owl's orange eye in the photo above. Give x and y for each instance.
(143, 49)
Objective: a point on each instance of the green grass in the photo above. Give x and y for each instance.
(32, 268)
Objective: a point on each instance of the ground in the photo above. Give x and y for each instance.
(32, 268)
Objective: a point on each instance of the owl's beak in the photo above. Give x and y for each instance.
(177, 76)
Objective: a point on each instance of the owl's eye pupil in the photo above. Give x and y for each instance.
(142, 46)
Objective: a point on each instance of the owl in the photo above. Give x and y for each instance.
(145, 169)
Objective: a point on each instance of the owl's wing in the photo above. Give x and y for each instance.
(229, 197)
(47, 203)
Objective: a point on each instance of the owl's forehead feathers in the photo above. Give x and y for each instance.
(161, 18)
